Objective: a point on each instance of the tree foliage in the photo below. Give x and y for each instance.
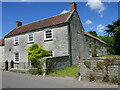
(36, 53)
(94, 33)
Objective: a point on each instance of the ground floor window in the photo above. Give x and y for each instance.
(16, 56)
(51, 53)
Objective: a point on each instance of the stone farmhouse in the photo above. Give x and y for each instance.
(63, 35)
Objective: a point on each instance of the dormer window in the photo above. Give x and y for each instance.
(48, 34)
(16, 40)
(30, 38)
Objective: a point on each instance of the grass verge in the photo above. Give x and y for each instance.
(66, 72)
(111, 56)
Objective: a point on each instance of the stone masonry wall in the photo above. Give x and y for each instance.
(113, 70)
(56, 63)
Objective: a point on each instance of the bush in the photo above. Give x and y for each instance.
(114, 79)
(34, 71)
(87, 64)
(100, 65)
(92, 78)
(39, 70)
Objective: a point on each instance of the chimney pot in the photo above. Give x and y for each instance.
(73, 6)
(18, 23)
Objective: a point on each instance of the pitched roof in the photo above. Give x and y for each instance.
(58, 19)
(1, 42)
(87, 34)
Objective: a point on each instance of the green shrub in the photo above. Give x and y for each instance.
(92, 78)
(87, 64)
(106, 78)
(40, 71)
(100, 65)
(114, 79)
(34, 71)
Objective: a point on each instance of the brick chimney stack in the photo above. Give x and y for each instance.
(18, 23)
(73, 6)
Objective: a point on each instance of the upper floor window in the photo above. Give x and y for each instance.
(30, 37)
(48, 34)
(16, 40)
(16, 56)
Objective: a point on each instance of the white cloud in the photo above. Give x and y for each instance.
(100, 28)
(88, 22)
(64, 11)
(96, 5)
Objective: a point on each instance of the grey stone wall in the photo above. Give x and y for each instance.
(77, 38)
(56, 63)
(113, 70)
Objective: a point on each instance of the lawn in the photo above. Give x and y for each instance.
(66, 72)
(111, 56)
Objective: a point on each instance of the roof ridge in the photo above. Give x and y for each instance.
(43, 19)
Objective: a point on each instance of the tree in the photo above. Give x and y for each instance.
(36, 53)
(111, 27)
(93, 33)
(113, 32)
(117, 40)
(109, 45)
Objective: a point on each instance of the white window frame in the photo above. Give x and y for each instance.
(45, 34)
(33, 37)
(15, 40)
(15, 57)
(90, 53)
(52, 54)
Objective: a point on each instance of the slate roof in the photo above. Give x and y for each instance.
(1, 42)
(58, 19)
(87, 34)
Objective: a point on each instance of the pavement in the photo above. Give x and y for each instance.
(18, 80)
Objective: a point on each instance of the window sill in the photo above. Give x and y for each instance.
(16, 44)
(50, 39)
(16, 62)
(30, 42)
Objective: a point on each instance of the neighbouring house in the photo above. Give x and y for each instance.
(63, 35)
(1, 52)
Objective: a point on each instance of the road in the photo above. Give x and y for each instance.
(17, 80)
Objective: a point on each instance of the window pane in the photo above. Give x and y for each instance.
(30, 37)
(48, 34)
(16, 40)
(16, 56)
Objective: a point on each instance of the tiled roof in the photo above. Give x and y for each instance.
(87, 34)
(1, 42)
(61, 18)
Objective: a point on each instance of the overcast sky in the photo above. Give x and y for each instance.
(94, 15)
